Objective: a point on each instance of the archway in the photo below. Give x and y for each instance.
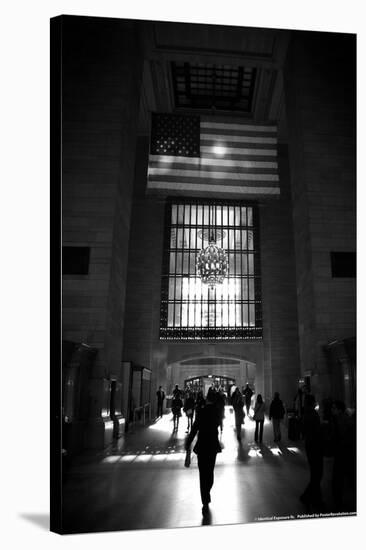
(236, 368)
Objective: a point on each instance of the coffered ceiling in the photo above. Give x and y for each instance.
(228, 71)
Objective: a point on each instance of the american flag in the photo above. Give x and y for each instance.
(194, 155)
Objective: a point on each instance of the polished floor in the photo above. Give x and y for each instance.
(141, 482)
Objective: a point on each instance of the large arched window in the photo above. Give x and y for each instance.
(191, 309)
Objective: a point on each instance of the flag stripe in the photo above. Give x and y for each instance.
(222, 126)
(234, 189)
(166, 173)
(215, 183)
(200, 161)
(243, 153)
(206, 171)
(212, 138)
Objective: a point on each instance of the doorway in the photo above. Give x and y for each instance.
(203, 371)
(204, 382)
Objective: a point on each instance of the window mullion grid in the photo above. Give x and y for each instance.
(210, 225)
(252, 277)
(253, 274)
(234, 235)
(241, 269)
(247, 273)
(166, 265)
(256, 267)
(208, 287)
(202, 222)
(189, 268)
(252, 331)
(214, 300)
(222, 294)
(195, 275)
(181, 276)
(175, 268)
(178, 303)
(228, 286)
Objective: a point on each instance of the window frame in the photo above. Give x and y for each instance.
(200, 332)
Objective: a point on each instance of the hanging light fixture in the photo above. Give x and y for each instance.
(211, 262)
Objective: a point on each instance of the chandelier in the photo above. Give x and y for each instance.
(211, 262)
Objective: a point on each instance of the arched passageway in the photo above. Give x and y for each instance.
(227, 369)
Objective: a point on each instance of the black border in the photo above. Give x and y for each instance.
(55, 274)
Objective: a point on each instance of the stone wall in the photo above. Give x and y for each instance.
(101, 84)
(280, 338)
(320, 102)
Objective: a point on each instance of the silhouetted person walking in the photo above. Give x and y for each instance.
(276, 414)
(177, 391)
(314, 452)
(189, 409)
(200, 401)
(207, 446)
(237, 402)
(220, 403)
(247, 393)
(259, 409)
(160, 396)
(177, 405)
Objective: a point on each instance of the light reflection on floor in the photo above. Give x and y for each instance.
(172, 450)
(165, 424)
(225, 457)
(248, 480)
